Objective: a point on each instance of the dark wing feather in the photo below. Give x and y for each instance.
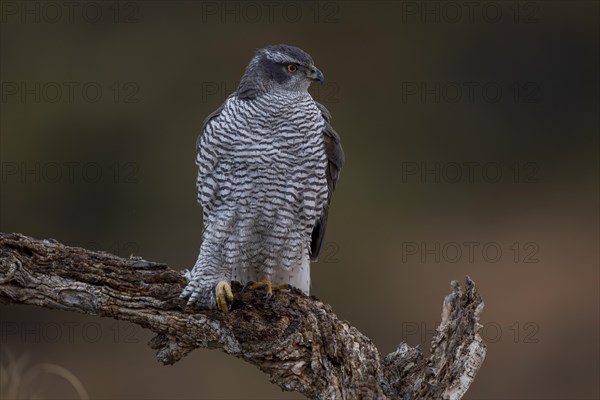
(212, 115)
(335, 162)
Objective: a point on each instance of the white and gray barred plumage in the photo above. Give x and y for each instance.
(268, 163)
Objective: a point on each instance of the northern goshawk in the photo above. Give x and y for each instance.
(268, 162)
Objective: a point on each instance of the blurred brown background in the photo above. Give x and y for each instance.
(471, 135)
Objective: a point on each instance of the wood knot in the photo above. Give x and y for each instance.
(9, 265)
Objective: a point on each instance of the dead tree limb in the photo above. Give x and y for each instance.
(296, 340)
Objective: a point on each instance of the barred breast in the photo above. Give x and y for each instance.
(262, 186)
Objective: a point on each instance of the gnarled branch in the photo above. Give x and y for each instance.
(296, 340)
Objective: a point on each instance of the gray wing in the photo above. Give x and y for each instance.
(335, 162)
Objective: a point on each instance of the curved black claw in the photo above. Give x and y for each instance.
(247, 286)
(262, 284)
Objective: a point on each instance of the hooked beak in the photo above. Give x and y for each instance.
(314, 74)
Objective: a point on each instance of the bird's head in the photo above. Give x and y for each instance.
(279, 68)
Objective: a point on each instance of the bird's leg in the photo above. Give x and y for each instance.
(283, 286)
(263, 283)
(224, 296)
(266, 283)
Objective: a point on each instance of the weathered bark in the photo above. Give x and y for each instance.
(296, 340)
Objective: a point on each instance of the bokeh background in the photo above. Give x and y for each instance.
(471, 136)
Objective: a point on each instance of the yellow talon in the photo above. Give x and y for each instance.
(265, 283)
(224, 296)
(283, 286)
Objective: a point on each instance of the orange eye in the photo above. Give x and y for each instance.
(292, 68)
